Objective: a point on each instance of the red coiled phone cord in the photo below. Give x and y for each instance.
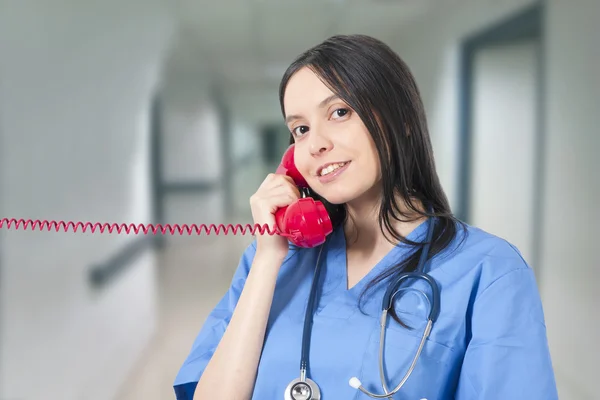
(172, 229)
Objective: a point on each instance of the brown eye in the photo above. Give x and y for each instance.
(300, 130)
(340, 112)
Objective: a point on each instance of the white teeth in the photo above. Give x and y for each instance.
(331, 168)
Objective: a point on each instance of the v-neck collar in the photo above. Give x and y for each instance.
(336, 300)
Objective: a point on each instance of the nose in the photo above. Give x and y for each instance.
(319, 144)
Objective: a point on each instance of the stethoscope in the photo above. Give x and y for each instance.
(304, 388)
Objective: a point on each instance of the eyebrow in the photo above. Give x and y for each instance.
(322, 104)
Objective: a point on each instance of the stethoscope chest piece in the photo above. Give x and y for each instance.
(305, 389)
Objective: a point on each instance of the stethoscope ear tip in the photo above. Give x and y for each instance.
(355, 383)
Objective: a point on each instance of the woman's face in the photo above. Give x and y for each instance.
(333, 149)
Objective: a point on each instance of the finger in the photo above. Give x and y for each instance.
(283, 189)
(282, 182)
(264, 197)
(281, 200)
(274, 180)
(269, 198)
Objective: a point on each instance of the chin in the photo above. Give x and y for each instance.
(337, 197)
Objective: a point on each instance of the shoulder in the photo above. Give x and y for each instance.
(480, 257)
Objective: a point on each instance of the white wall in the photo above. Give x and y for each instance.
(191, 152)
(569, 265)
(245, 140)
(254, 103)
(192, 142)
(250, 171)
(76, 85)
(505, 85)
(251, 106)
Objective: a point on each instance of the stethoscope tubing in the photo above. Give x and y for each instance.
(392, 290)
(304, 359)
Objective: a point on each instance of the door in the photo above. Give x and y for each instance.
(503, 153)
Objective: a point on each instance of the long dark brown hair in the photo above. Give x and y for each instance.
(378, 85)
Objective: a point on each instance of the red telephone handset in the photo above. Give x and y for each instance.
(305, 221)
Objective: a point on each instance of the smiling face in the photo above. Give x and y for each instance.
(333, 149)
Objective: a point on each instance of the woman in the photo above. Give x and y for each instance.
(361, 142)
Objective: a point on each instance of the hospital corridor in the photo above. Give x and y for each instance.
(119, 119)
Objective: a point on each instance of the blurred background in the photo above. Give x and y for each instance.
(160, 111)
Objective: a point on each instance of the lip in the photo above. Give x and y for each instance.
(334, 174)
(322, 167)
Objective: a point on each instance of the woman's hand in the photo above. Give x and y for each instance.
(231, 372)
(275, 192)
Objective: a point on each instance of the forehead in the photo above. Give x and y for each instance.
(304, 91)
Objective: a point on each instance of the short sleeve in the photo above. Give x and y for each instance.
(211, 332)
(507, 356)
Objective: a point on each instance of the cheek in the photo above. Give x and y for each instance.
(369, 171)
(375, 165)
(369, 157)
(302, 166)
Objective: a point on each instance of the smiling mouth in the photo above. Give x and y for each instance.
(332, 168)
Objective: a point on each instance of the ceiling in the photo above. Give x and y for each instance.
(251, 42)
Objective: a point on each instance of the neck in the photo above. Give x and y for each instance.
(362, 228)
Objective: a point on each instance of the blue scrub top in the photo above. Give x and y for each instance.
(489, 341)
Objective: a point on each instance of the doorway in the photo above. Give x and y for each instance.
(501, 132)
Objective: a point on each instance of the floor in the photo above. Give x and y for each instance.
(194, 274)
